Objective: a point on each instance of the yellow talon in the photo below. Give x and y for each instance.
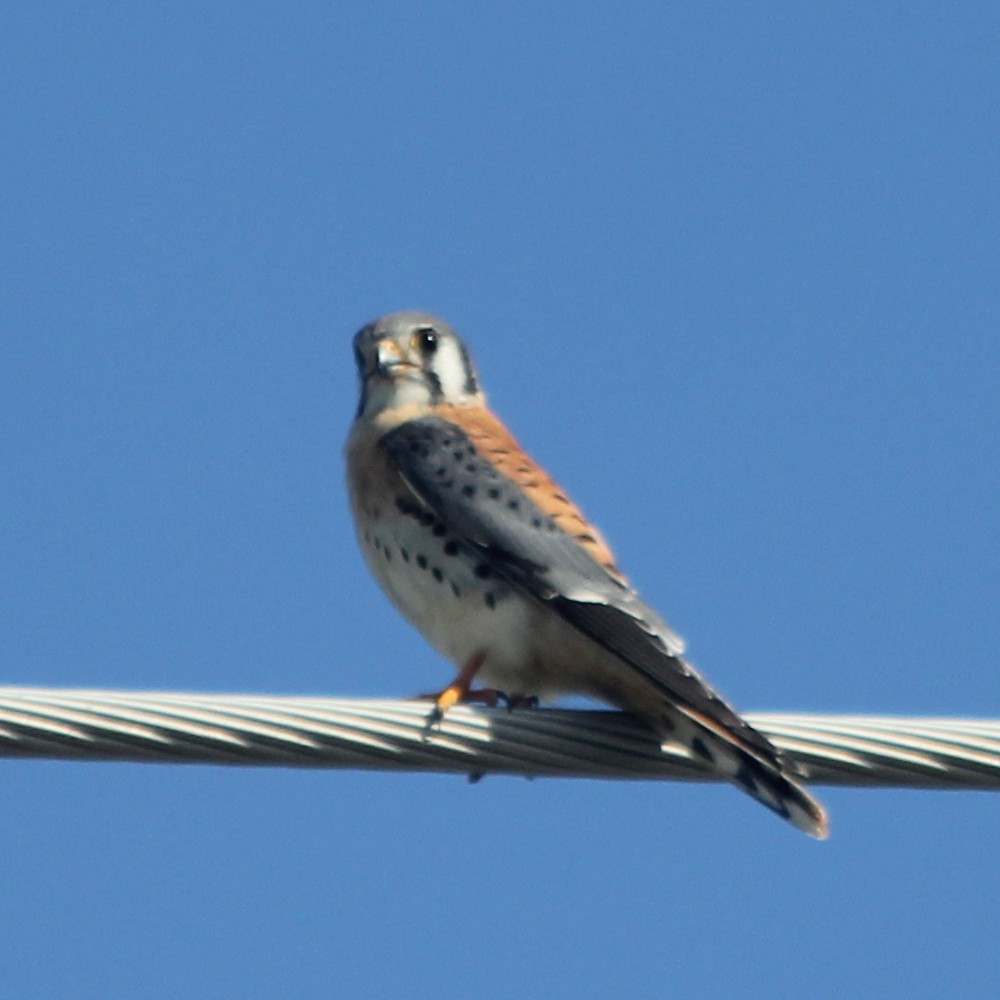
(448, 697)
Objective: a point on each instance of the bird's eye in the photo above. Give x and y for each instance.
(427, 341)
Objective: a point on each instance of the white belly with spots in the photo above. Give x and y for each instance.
(463, 609)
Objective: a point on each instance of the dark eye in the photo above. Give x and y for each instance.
(427, 341)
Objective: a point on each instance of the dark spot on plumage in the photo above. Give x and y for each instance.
(441, 472)
(408, 508)
(377, 542)
(437, 574)
(514, 504)
(458, 454)
(471, 467)
(484, 571)
(745, 779)
(536, 522)
(489, 599)
(426, 518)
(422, 562)
(387, 552)
(405, 554)
(700, 747)
(455, 590)
(493, 493)
(440, 530)
(451, 548)
(469, 491)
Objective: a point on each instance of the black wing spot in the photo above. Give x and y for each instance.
(493, 493)
(469, 491)
(700, 747)
(437, 574)
(451, 548)
(514, 504)
(484, 571)
(455, 590)
(422, 562)
(489, 599)
(440, 530)
(405, 554)
(745, 779)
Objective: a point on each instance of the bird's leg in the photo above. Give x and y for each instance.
(460, 689)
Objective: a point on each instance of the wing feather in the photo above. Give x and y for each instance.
(525, 544)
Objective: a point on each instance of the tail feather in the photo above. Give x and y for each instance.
(769, 778)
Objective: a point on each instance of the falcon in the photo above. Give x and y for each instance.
(489, 558)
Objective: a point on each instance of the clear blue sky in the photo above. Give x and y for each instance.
(730, 272)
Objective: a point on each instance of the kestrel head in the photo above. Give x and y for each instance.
(410, 358)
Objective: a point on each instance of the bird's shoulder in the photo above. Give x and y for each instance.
(498, 446)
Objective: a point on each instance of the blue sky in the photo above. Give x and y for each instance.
(730, 272)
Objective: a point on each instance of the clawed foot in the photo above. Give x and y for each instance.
(443, 700)
(520, 701)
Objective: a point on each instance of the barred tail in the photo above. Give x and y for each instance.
(767, 777)
(783, 795)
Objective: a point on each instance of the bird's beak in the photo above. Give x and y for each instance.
(389, 358)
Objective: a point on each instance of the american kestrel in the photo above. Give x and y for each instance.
(480, 549)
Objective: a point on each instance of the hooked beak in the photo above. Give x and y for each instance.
(389, 359)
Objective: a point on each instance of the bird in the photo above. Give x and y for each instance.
(481, 550)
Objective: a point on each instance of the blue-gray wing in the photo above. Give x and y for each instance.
(454, 482)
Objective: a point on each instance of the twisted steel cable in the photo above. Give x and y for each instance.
(269, 730)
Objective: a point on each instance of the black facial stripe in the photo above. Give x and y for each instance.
(434, 383)
(471, 385)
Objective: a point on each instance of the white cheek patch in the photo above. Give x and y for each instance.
(452, 371)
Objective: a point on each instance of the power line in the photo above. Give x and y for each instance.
(286, 731)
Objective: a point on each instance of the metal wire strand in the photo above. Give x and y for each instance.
(268, 730)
